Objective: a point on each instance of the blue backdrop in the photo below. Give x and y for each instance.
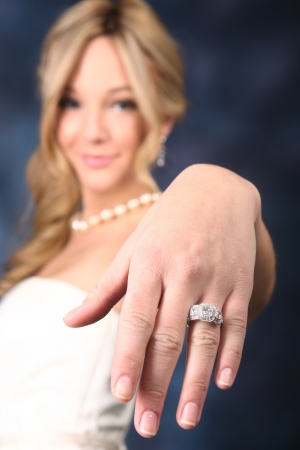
(242, 59)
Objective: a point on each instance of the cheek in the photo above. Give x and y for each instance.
(67, 131)
(130, 132)
(143, 127)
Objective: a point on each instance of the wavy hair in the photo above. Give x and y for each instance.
(153, 64)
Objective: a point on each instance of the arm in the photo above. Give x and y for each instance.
(264, 272)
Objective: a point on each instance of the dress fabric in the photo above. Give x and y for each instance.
(55, 380)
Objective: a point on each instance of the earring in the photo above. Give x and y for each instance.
(161, 159)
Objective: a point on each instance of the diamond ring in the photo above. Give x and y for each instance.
(205, 312)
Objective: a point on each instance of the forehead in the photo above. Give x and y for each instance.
(100, 67)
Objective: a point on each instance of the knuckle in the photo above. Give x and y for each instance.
(102, 286)
(198, 386)
(150, 265)
(153, 254)
(187, 265)
(167, 342)
(238, 324)
(132, 361)
(234, 352)
(189, 269)
(204, 339)
(98, 287)
(244, 276)
(101, 292)
(138, 320)
(153, 268)
(156, 392)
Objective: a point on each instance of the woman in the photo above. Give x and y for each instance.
(112, 89)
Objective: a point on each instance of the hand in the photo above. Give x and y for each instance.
(196, 244)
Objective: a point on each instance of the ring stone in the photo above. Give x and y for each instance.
(205, 312)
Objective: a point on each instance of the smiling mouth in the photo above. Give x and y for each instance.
(98, 160)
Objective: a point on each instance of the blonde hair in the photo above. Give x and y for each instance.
(154, 67)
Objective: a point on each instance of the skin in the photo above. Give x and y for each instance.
(100, 129)
(203, 241)
(224, 256)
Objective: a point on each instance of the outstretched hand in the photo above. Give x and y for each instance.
(197, 243)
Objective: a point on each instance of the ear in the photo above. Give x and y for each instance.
(167, 126)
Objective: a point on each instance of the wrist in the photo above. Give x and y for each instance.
(213, 178)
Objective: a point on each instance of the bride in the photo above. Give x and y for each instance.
(111, 84)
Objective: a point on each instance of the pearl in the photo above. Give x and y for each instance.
(117, 211)
(120, 209)
(134, 203)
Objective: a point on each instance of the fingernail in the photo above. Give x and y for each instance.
(148, 423)
(190, 414)
(123, 388)
(226, 377)
(70, 313)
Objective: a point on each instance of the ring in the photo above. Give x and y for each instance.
(205, 312)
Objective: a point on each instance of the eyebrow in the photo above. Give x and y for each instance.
(112, 90)
(123, 88)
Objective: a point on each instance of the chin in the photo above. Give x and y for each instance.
(104, 182)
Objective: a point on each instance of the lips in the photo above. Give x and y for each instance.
(98, 160)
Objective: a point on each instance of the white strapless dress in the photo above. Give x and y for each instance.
(54, 380)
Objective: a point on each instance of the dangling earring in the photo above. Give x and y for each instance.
(161, 159)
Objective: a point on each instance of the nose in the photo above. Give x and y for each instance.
(94, 129)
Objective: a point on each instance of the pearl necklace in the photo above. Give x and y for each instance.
(107, 214)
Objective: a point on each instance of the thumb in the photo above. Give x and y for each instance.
(105, 293)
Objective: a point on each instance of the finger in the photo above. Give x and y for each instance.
(135, 327)
(232, 340)
(106, 292)
(162, 354)
(202, 346)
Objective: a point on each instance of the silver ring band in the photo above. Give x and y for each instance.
(205, 312)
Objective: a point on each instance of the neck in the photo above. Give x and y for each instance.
(94, 201)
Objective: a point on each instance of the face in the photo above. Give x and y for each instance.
(100, 127)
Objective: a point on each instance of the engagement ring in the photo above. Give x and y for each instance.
(205, 312)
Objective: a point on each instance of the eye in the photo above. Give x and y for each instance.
(125, 104)
(68, 103)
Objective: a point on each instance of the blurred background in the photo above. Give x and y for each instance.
(243, 76)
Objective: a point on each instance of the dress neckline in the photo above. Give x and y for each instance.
(67, 284)
(56, 280)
